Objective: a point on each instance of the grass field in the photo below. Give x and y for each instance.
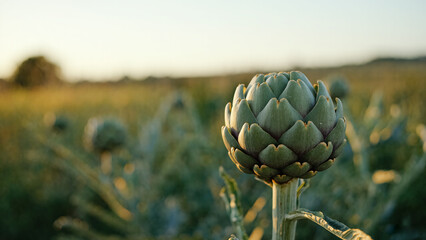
(181, 196)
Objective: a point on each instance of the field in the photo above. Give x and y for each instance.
(165, 183)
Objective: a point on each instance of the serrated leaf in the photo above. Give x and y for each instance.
(231, 196)
(335, 227)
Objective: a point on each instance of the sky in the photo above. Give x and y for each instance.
(108, 39)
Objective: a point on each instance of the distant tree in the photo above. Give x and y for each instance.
(36, 71)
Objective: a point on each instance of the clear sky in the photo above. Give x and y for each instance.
(108, 39)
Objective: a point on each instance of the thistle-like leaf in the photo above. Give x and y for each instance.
(335, 227)
(230, 194)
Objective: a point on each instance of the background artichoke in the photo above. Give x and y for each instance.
(339, 87)
(281, 127)
(104, 134)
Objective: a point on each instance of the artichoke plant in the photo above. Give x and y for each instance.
(339, 87)
(281, 127)
(57, 123)
(104, 135)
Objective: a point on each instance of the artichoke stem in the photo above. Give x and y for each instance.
(284, 200)
(106, 162)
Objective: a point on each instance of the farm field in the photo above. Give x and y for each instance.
(163, 181)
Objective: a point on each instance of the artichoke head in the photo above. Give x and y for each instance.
(281, 127)
(104, 135)
(339, 87)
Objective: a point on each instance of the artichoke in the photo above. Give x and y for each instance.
(104, 135)
(281, 127)
(339, 87)
(57, 123)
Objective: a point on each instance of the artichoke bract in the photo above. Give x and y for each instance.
(281, 127)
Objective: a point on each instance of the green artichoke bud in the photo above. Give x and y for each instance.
(104, 135)
(339, 87)
(57, 123)
(281, 127)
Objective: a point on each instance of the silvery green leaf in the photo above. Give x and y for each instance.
(231, 196)
(337, 228)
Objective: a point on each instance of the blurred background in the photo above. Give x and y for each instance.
(110, 114)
